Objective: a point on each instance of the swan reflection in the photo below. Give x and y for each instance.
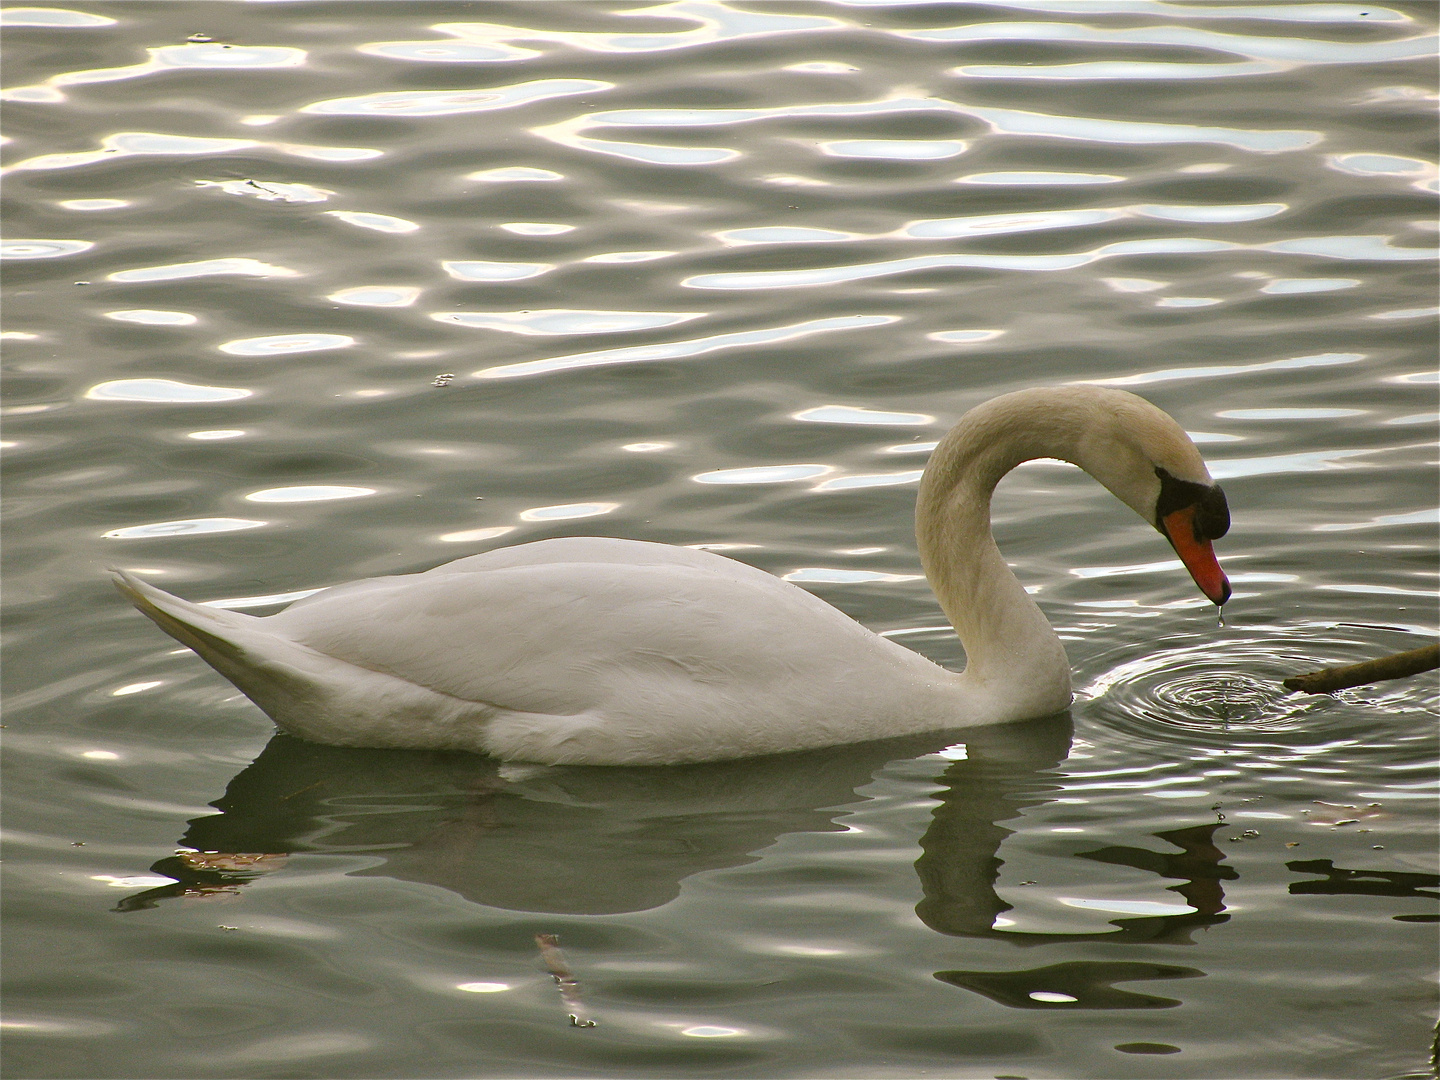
(959, 865)
(580, 840)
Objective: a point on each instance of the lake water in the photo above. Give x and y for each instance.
(305, 292)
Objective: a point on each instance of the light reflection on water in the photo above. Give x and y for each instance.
(344, 267)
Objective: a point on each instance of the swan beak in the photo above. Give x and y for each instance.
(1197, 554)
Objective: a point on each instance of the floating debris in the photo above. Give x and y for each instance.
(233, 862)
(549, 945)
(1396, 666)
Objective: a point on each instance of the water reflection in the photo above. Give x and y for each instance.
(1084, 984)
(412, 103)
(378, 222)
(515, 174)
(203, 268)
(275, 344)
(150, 317)
(1039, 179)
(177, 57)
(36, 16)
(678, 350)
(960, 865)
(567, 840)
(1265, 54)
(578, 840)
(999, 121)
(130, 143)
(560, 321)
(269, 190)
(1338, 881)
(164, 390)
(377, 295)
(42, 249)
(593, 841)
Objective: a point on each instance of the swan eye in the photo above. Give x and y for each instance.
(1212, 512)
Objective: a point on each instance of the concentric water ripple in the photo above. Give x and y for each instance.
(1219, 688)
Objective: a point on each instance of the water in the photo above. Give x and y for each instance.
(304, 292)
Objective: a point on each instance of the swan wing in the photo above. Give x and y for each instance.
(565, 636)
(642, 657)
(603, 549)
(598, 651)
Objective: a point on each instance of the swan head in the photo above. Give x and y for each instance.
(1190, 516)
(1149, 463)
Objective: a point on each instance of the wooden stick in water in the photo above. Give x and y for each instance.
(1397, 666)
(549, 945)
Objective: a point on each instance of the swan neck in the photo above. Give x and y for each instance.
(1009, 644)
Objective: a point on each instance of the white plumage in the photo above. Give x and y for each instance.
(600, 651)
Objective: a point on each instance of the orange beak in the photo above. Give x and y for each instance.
(1197, 555)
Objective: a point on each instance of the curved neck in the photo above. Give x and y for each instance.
(1011, 650)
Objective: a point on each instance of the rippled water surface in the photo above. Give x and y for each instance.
(304, 292)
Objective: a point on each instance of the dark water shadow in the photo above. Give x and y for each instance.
(1077, 984)
(960, 865)
(591, 841)
(1339, 881)
(569, 839)
(1336, 880)
(577, 840)
(960, 862)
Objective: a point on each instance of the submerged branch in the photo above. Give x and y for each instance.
(1397, 666)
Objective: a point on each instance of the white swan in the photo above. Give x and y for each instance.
(609, 652)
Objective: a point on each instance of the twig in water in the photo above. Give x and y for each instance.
(1397, 666)
(549, 945)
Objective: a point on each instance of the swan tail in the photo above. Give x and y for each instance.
(200, 628)
(307, 692)
(274, 672)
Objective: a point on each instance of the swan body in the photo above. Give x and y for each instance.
(589, 650)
